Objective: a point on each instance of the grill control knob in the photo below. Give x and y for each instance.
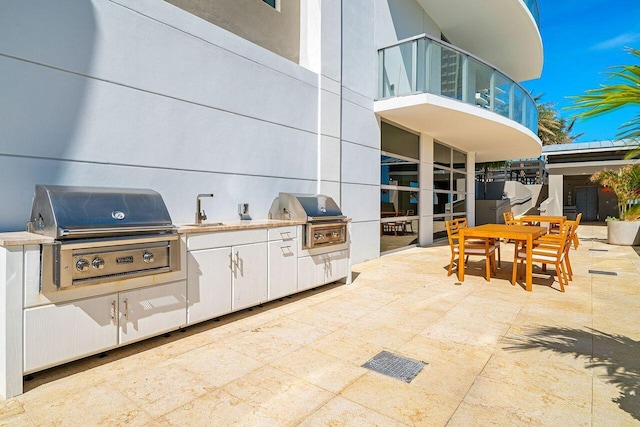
(147, 257)
(98, 263)
(317, 236)
(336, 234)
(82, 265)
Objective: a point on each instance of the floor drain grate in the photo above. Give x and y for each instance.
(599, 250)
(606, 273)
(398, 367)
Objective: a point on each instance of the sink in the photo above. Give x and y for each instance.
(203, 224)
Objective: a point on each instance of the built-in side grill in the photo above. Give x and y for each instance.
(102, 234)
(325, 226)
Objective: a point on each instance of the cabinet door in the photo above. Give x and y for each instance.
(151, 311)
(249, 275)
(58, 333)
(321, 269)
(283, 268)
(209, 284)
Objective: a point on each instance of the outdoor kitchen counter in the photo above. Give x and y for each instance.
(235, 225)
(23, 238)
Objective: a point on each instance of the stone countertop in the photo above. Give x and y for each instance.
(213, 226)
(23, 238)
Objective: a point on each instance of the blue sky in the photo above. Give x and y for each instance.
(582, 39)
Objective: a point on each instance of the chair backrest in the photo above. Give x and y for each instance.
(508, 217)
(452, 231)
(577, 221)
(567, 229)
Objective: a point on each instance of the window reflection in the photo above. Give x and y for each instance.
(399, 194)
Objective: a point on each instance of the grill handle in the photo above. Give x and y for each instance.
(65, 232)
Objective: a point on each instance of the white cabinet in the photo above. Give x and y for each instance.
(209, 284)
(316, 270)
(57, 333)
(227, 271)
(249, 281)
(283, 268)
(151, 311)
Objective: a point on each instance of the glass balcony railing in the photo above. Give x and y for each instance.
(425, 65)
(533, 8)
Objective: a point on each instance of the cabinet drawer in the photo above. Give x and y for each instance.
(282, 233)
(225, 238)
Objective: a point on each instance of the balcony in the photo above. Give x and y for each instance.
(433, 87)
(505, 33)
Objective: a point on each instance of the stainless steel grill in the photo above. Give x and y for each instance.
(102, 234)
(325, 226)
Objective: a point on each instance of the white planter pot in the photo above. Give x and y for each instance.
(623, 233)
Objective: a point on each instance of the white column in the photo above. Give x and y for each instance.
(426, 191)
(11, 283)
(471, 188)
(556, 195)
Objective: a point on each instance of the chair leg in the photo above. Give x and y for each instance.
(453, 257)
(576, 242)
(560, 274)
(568, 265)
(499, 258)
(514, 271)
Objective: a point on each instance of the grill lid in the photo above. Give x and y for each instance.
(72, 212)
(308, 207)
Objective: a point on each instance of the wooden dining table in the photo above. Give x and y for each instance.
(527, 233)
(549, 219)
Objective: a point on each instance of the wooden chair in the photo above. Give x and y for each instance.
(476, 247)
(393, 226)
(555, 239)
(463, 223)
(508, 217)
(409, 223)
(555, 229)
(546, 252)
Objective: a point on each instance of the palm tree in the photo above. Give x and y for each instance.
(622, 92)
(553, 129)
(625, 183)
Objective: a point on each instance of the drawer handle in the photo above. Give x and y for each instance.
(113, 310)
(126, 308)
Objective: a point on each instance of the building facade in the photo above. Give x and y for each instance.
(385, 105)
(570, 168)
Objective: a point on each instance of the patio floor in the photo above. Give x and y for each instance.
(495, 354)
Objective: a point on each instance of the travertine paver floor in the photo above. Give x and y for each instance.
(495, 354)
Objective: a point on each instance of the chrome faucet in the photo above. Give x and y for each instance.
(200, 213)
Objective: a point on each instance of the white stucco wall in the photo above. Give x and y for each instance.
(141, 94)
(360, 128)
(400, 19)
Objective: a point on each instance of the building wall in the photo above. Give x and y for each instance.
(400, 19)
(360, 132)
(254, 20)
(142, 94)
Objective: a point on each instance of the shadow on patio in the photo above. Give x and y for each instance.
(617, 354)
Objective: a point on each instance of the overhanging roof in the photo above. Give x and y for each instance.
(471, 129)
